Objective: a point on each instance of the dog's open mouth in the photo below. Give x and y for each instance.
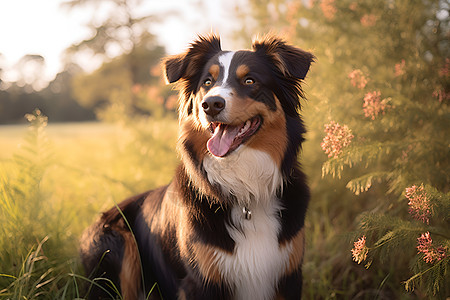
(227, 138)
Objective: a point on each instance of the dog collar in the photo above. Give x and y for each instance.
(247, 213)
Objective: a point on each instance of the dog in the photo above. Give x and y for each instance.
(230, 225)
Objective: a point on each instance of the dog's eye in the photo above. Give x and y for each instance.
(249, 81)
(207, 82)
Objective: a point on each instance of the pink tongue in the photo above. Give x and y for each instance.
(219, 144)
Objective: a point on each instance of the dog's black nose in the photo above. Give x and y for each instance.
(213, 105)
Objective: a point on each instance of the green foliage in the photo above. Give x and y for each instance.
(96, 88)
(131, 83)
(383, 71)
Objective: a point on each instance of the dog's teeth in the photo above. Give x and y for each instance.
(245, 127)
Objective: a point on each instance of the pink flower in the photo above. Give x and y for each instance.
(337, 138)
(369, 20)
(419, 204)
(400, 68)
(358, 79)
(431, 253)
(441, 95)
(136, 89)
(445, 70)
(373, 105)
(353, 6)
(359, 251)
(328, 8)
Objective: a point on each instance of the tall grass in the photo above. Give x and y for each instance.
(51, 189)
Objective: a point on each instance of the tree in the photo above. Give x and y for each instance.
(2, 63)
(119, 33)
(129, 53)
(381, 88)
(135, 90)
(30, 68)
(55, 100)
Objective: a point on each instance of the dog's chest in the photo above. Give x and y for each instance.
(257, 263)
(253, 269)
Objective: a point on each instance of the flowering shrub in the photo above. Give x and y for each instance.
(445, 70)
(419, 204)
(400, 68)
(373, 105)
(399, 114)
(430, 252)
(328, 8)
(337, 137)
(368, 20)
(358, 79)
(441, 95)
(359, 251)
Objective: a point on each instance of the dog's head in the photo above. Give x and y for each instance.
(245, 97)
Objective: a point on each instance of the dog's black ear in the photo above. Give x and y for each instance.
(174, 67)
(189, 65)
(187, 68)
(289, 60)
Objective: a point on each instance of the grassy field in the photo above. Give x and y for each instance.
(55, 180)
(65, 135)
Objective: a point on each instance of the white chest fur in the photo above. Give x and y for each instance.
(251, 175)
(257, 263)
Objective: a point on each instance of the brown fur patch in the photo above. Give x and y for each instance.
(130, 274)
(298, 249)
(272, 136)
(205, 257)
(241, 71)
(214, 71)
(197, 137)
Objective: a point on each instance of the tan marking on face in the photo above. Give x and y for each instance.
(130, 280)
(214, 70)
(272, 136)
(205, 257)
(297, 251)
(241, 71)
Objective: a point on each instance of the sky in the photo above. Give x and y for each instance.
(46, 28)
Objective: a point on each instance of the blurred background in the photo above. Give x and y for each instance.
(87, 120)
